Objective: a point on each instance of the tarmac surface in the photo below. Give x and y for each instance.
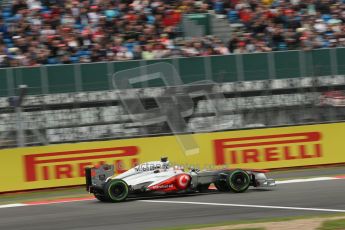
(291, 199)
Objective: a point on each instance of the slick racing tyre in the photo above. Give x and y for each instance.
(238, 181)
(116, 190)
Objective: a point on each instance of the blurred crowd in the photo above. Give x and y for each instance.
(267, 25)
(39, 32)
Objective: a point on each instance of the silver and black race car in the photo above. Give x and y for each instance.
(160, 178)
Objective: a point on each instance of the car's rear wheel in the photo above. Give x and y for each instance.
(238, 181)
(116, 190)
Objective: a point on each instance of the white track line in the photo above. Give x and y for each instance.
(245, 205)
(306, 180)
(12, 205)
(277, 182)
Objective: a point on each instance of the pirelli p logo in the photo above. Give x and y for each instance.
(267, 148)
(70, 164)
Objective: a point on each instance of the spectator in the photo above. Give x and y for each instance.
(283, 25)
(148, 53)
(37, 32)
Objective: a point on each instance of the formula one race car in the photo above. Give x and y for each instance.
(159, 178)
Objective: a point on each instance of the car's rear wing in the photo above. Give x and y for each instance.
(96, 176)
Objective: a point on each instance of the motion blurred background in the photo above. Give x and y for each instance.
(276, 62)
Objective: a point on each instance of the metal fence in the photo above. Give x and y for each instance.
(227, 68)
(72, 103)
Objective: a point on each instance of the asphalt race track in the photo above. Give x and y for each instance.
(191, 209)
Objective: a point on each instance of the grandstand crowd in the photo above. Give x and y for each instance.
(40, 32)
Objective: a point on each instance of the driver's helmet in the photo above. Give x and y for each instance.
(165, 163)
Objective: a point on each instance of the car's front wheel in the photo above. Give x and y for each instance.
(116, 190)
(238, 181)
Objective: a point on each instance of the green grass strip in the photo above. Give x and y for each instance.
(251, 221)
(333, 225)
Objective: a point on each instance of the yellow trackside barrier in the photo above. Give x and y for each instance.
(63, 165)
